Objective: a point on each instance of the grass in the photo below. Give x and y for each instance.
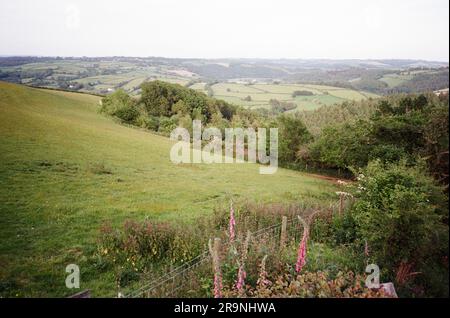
(261, 94)
(65, 169)
(110, 74)
(393, 80)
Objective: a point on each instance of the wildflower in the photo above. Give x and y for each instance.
(262, 281)
(232, 224)
(301, 258)
(241, 278)
(217, 285)
(241, 273)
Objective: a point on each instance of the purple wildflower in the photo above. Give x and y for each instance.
(241, 279)
(232, 224)
(301, 259)
(217, 285)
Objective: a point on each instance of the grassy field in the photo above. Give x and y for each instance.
(110, 75)
(65, 170)
(261, 94)
(105, 76)
(393, 80)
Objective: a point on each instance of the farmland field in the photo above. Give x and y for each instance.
(261, 94)
(66, 170)
(393, 80)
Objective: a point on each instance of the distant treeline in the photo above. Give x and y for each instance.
(424, 82)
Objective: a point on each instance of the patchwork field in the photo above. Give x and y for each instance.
(259, 95)
(65, 170)
(99, 77)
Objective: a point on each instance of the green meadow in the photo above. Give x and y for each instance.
(261, 94)
(65, 170)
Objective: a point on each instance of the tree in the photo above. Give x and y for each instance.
(292, 134)
(344, 145)
(121, 105)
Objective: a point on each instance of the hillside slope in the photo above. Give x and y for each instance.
(65, 170)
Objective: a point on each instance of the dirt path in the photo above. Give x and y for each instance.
(328, 178)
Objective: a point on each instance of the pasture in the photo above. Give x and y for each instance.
(261, 94)
(65, 169)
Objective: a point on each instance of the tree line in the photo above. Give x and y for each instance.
(340, 137)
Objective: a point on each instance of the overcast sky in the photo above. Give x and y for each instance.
(416, 29)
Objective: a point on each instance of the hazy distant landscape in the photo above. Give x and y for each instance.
(312, 164)
(252, 83)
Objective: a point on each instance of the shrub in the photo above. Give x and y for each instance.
(166, 124)
(400, 213)
(127, 114)
(148, 122)
(120, 105)
(139, 247)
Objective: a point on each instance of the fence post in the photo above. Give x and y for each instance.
(215, 255)
(283, 232)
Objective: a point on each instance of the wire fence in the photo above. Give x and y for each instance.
(190, 279)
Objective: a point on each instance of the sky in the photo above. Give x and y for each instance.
(344, 29)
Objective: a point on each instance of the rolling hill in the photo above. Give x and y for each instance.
(65, 169)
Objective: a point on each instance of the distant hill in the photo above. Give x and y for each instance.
(103, 75)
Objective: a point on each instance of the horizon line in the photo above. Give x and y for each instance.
(228, 58)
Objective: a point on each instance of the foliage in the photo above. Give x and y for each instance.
(165, 99)
(400, 213)
(292, 134)
(79, 169)
(402, 127)
(141, 246)
(317, 284)
(121, 105)
(342, 146)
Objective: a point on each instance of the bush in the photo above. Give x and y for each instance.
(120, 105)
(148, 122)
(127, 114)
(140, 246)
(166, 124)
(400, 213)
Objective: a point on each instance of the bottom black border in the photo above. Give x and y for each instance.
(292, 307)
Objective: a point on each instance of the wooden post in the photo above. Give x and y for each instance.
(217, 248)
(283, 232)
(215, 255)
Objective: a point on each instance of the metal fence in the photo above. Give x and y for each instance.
(186, 280)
